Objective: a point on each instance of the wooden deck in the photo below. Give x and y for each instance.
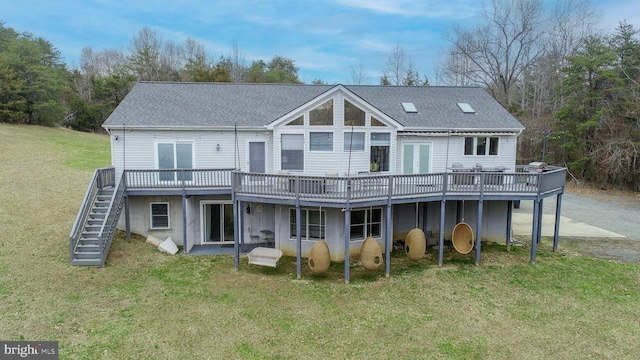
(524, 183)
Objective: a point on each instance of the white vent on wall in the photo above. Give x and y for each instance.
(409, 107)
(466, 108)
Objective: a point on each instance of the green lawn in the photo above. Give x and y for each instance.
(146, 304)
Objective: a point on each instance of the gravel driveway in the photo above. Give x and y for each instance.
(611, 211)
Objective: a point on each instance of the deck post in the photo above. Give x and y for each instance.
(540, 207)
(298, 236)
(556, 229)
(534, 229)
(479, 230)
(184, 222)
(388, 243)
(509, 220)
(127, 217)
(441, 237)
(389, 230)
(236, 215)
(347, 232)
(459, 205)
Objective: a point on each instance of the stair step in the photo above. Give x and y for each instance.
(86, 255)
(87, 262)
(87, 248)
(95, 222)
(99, 210)
(96, 216)
(88, 242)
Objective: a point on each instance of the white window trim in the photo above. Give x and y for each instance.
(487, 149)
(364, 141)
(333, 141)
(367, 223)
(204, 203)
(304, 150)
(151, 215)
(175, 155)
(305, 224)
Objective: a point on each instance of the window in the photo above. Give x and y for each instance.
(292, 155)
(312, 226)
(481, 145)
(380, 144)
(320, 141)
(322, 115)
(297, 121)
(409, 107)
(353, 141)
(366, 222)
(175, 156)
(159, 218)
(353, 116)
(376, 122)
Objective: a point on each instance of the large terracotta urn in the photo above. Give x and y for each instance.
(371, 254)
(415, 244)
(319, 257)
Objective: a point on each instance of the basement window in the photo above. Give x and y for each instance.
(159, 218)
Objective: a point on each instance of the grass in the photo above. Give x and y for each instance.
(145, 304)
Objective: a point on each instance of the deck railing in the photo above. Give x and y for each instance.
(178, 178)
(362, 187)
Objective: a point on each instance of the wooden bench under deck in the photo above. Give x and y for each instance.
(264, 256)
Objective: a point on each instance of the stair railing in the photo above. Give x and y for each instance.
(107, 230)
(99, 180)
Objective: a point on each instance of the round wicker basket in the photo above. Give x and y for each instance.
(415, 244)
(371, 254)
(319, 257)
(462, 238)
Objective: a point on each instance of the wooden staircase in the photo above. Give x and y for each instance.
(96, 223)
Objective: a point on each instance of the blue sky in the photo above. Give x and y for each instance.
(325, 38)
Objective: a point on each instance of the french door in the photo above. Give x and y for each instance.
(416, 158)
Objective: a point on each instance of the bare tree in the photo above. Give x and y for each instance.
(237, 64)
(395, 66)
(497, 54)
(145, 51)
(358, 73)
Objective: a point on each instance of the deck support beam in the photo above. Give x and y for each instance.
(556, 229)
(441, 237)
(509, 225)
(534, 229)
(236, 233)
(127, 217)
(479, 230)
(184, 222)
(388, 243)
(299, 238)
(540, 221)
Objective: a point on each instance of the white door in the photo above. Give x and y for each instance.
(257, 157)
(416, 158)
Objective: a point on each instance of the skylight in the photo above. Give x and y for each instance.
(409, 107)
(466, 108)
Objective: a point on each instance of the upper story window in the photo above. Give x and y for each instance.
(353, 116)
(353, 141)
(481, 145)
(292, 153)
(322, 115)
(296, 121)
(178, 155)
(320, 141)
(376, 122)
(380, 151)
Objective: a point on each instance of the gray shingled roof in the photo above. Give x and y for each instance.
(161, 104)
